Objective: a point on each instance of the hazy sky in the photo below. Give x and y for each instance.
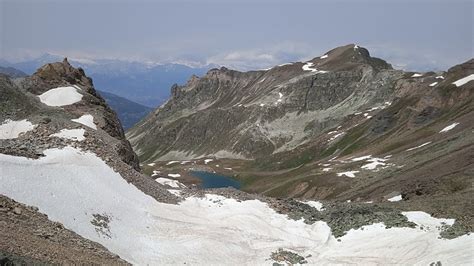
(416, 34)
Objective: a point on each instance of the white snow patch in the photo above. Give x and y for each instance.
(362, 158)
(262, 104)
(448, 128)
(70, 186)
(10, 129)
(155, 173)
(60, 96)
(309, 67)
(464, 80)
(374, 162)
(434, 84)
(324, 56)
(336, 136)
(356, 46)
(86, 120)
(395, 198)
(439, 77)
(151, 164)
(423, 219)
(72, 134)
(168, 182)
(228, 168)
(174, 175)
(416, 75)
(206, 161)
(419, 146)
(175, 192)
(172, 162)
(348, 173)
(315, 204)
(326, 169)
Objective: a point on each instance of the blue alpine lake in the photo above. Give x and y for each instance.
(212, 180)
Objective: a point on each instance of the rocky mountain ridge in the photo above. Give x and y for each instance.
(252, 114)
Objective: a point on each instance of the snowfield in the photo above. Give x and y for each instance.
(75, 187)
(10, 129)
(86, 120)
(60, 96)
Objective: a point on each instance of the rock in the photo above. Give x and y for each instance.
(17, 210)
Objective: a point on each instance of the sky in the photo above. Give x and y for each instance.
(244, 34)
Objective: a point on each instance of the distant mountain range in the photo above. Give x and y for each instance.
(12, 72)
(128, 112)
(145, 83)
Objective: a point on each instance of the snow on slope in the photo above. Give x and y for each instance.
(75, 187)
(60, 96)
(86, 120)
(10, 129)
(309, 67)
(169, 182)
(348, 173)
(72, 134)
(419, 146)
(464, 80)
(448, 128)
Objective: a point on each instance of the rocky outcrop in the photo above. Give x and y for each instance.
(63, 74)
